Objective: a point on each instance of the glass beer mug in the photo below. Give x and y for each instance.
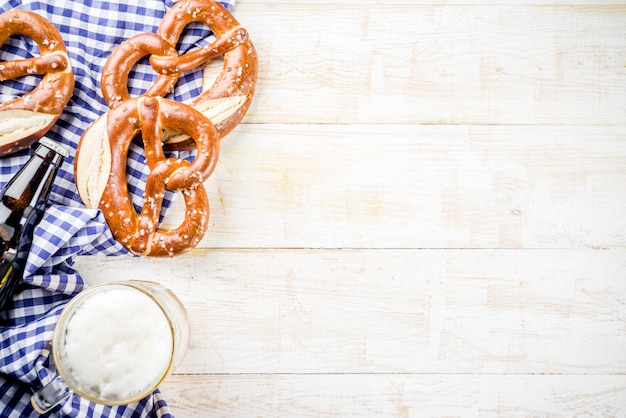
(114, 344)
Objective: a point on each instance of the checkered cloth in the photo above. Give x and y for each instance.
(91, 30)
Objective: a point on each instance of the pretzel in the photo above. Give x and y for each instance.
(114, 83)
(226, 101)
(100, 173)
(25, 119)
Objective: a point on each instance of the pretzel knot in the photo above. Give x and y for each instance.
(225, 101)
(100, 172)
(25, 119)
(114, 83)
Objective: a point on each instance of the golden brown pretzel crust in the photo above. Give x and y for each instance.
(140, 233)
(236, 81)
(239, 74)
(54, 91)
(100, 163)
(114, 83)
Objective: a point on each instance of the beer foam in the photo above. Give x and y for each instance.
(118, 344)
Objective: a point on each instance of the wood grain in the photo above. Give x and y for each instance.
(410, 62)
(395, 311)
(415, 186)
(399, 396)
(422, 216)
(242, 4)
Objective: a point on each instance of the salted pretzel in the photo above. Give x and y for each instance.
(226, 100)
(100, 173)
(114, 82)
(25, 119)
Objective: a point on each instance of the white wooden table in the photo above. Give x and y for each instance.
(424, 214)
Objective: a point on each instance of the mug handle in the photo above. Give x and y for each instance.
(50, 395)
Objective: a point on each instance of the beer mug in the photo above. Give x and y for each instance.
(114, 343)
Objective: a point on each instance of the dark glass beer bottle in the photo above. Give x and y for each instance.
(22, 203)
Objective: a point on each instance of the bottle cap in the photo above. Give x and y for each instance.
(54, 146)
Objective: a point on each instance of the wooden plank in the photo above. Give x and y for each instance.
(396, 396)
(393, 311)
(330, 3)
(414, 186)
(409, 62)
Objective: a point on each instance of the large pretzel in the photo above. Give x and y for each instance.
(100, 173)
(226, 101)
(25, 119)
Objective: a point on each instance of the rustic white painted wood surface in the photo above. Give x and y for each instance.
(423, 215)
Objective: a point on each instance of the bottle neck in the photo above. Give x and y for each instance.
(22, 204)
(24, 197)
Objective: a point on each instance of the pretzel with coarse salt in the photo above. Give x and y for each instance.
(226, 100)
(101, 178)
(25, 119)
(114, 81)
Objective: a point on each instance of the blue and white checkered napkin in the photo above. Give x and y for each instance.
(91, 30)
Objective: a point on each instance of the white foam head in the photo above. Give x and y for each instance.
(116, 345)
